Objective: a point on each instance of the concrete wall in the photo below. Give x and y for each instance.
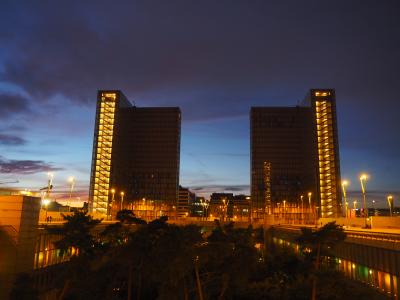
(19, 216)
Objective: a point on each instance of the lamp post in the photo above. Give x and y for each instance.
(355, 207)
(363, 181)
(344, 184)
(144, 208)
(316, 216)
(284, 210)
(390, 203)
(309, 200)
(223, 210)
(373, 207)
(45, 202)
(174, 212)
(202, 208)
(50, 177)
(110, 204)
(122, 199)
(71, 181)
(206, 204)
(302, 208)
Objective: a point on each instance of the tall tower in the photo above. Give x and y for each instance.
(108, 106)
(295, 153)
(136, 153)
(323, 105)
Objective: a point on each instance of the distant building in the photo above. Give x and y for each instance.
(185, 198)
(294, 152)
(221, 205)
(241, 207)
(136, 151)
(197, 209)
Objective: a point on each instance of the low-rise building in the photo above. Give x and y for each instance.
(184, 199)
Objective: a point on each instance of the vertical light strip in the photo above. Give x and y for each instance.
(104, 141)
(326, 157)
(267, 186)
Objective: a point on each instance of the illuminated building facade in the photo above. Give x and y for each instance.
(323, 105)
(136, 151)
(294, 151)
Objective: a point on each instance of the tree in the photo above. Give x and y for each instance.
(127, 216)
(230, 258)
(23, 288)
(75, 233)
(319, 243)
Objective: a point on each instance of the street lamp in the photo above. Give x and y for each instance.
(373, 207)
(50, 177)
(302, 207)
(363, 181)
(122, 199)
(202, 208)
(45, 203)
(309, 200)
(71, 181)
(390, 203)
(225, 208)
(284, 209)
(110, 204)
(206, 204)
(344, 184)
(144, 209)
(355, 207)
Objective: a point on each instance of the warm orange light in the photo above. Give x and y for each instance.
(104, 141)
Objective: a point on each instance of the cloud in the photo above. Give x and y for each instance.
(214, 59)
(154, 48)
(11, 140)
(215, 188)
(13, 166)
(12, 105)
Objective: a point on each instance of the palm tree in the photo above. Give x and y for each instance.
(320, 243)
(75, 235)
(230, 257)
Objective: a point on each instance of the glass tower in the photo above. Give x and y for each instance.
(295, 156)
(136, 153)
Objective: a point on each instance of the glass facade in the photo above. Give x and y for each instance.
(282, 151)
(295, 157)
(136, 152)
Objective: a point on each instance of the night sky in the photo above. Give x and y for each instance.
(213, 59)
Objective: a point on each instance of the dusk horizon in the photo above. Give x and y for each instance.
(214, 70)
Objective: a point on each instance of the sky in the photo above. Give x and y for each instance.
(213, 59)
